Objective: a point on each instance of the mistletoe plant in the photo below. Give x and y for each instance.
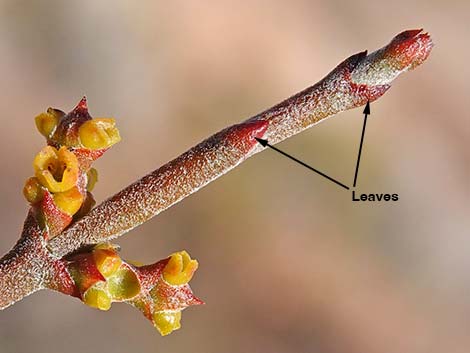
(65, 243)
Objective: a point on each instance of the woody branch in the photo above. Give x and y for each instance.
(358, 79)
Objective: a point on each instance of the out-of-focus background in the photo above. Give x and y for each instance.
(287, 262)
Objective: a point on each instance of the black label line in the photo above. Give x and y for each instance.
(265, 143)
(366, 113)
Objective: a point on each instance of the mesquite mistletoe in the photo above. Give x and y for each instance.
(65, 243)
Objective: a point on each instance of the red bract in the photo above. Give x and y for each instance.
(47, 213)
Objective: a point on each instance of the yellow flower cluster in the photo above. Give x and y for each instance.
(102, 278)
(57, 169)
(94, 134)
(61, 188)
(120, 283)
(178, 271)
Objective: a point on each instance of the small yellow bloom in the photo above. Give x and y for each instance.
(167, 321)
(69, 201)
(99, 133)
(107, 261)
(97, 298)
(56, 169)
(180, 268)
(33, 191)
(47, 122)
(123, 284)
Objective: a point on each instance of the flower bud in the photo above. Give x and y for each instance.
(69, 201)
(46, 123)
(107, 261)
(56, 169)
(123, 284)
(180, 268)
(99, 133)
(33, 191)
(167, 321)
(97, 298)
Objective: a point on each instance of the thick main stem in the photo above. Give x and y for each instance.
(22, 270)
(358, 79)
(30, 266)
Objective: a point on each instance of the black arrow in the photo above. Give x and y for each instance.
(265, 143)
(366, 112)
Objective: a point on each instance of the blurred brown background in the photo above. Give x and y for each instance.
(287, 262)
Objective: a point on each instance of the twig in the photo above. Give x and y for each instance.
(356, 80)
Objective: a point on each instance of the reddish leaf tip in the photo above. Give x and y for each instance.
(410, 33)
(196, 301)
(82, 105)
(410, 48)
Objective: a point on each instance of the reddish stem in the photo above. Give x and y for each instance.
(29, 267)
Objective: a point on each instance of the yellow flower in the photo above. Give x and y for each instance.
(32, 190)
(107, 260)
(167, 321)
(69, 201)
(97, 298)
(47, 122)
(99, 133)
(180, 268)
(56, 169)
(123, 284)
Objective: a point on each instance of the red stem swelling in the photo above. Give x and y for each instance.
(351, 84)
